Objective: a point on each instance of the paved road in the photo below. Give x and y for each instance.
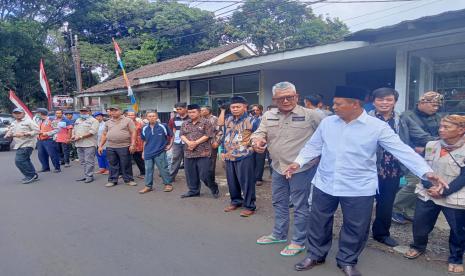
(60, 227)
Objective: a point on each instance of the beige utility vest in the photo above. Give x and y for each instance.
(448, 169)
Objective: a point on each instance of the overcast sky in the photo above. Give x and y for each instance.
(366, 15)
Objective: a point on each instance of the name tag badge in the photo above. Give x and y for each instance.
(298, 119)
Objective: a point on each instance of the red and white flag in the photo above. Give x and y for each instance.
(45, 86)
(18, 103)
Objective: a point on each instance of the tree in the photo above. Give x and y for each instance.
(273, 25)
(21, 49)
(147, 32)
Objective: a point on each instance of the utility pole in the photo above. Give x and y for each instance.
(76, 60)
(77, 65)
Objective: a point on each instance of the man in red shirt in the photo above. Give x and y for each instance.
(63, 137)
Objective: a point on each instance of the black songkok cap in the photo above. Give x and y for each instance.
(350, 93)
(238, 99)
(193, 106)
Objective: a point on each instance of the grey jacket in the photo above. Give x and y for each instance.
(416, 129)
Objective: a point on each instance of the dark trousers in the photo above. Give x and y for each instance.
(73, 151)
(178, 156)
(119, 160)
(23, 162)
(259, 160)
(198, 169)
(48, 148)
(65, 150)
(356, 213)
(241, 181)
(426, 215)
(388, 189)
(213, 158)
(268, 157)
(137, 157)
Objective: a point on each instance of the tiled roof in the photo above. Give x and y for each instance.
(168, 66)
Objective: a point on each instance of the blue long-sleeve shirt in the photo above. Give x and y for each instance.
(348, 155)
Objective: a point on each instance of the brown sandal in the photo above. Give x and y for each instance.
(413, 254)
(455, 269)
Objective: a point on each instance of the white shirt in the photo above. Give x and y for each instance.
(348, 155)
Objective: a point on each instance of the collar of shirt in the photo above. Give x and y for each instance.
(116, 120)
(240, 119)
(192, 122)
(182, 118)
(361, 119)
(298, 110)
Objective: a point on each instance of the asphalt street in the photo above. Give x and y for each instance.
(58, 226)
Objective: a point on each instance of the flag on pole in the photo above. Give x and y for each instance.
(45, 86)
(18, 103)
(125, 77)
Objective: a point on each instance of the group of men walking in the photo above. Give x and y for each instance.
(318, 161)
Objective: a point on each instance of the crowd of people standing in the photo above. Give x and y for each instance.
(411, 164)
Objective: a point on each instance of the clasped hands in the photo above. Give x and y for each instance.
(191, 145)
(438, 187)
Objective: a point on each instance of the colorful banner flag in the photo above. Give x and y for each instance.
(131, 96)
(45, 86)
(18, 103)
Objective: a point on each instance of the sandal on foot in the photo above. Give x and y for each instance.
(413, 254)
(269, 240)
(295, 251)
(455, 269)
(168, 188)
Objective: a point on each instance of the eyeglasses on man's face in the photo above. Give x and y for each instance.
(285, 98)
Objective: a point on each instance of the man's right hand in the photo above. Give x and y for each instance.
(259, 145)
(291, 169)
(419, 150)
(100, 150)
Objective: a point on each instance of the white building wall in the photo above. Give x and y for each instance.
(306, 82)
(162, 100)
(105, 102)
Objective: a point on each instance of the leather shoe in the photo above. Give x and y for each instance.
(388, 241)
(307, 264)
(231, 208)
(81, 179)
(88, 180)
(349, 270)
(189, 195)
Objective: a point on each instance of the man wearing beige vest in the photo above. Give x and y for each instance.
(447, 158)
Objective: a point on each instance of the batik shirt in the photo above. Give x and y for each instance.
(194, 132)
(237, 138)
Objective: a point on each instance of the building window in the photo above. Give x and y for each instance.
(221, 86)
(452, 86)
(215, 90)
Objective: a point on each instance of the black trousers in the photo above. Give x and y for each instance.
(241, 181)
(119, 160)
(198, 169)
(65, 150)
(137, 157)
(426, 215)
(213, 158)
(388, 189)
(356, 213)
(259, 159)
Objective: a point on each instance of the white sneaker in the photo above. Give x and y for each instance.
(131, 183)
(110, 184)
